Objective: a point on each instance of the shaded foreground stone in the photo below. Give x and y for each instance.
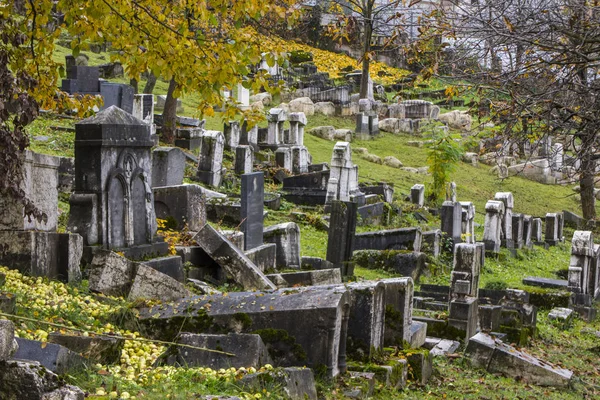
(299, 326)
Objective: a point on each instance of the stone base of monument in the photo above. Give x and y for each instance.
(49, 254)
(463, 316)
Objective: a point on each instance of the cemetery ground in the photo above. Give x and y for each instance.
(575, 347)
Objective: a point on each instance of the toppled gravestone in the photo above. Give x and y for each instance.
(232, 259)
(248, 351)
(152, 284)
(489, 353)
(111, 274)
(318, 341)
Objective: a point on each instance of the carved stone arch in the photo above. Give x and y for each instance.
(118, 221)
(142, 207)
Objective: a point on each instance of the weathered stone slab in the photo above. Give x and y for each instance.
(171, 266)
(398, 310)
(232, 259)
(111, 274)
(186, 204)
(315, 263)
(49, 254)
(152, 284)
(421, 366)
(40, 186)
(495, 356)
(168, 166)
(440, 347)
(287, 238)
(391, 239)
(418, 334)
(248, 349)
(100, 349)
(307, 278)
(274, 316)
(545, 282)
(54, 357)
(264, 257)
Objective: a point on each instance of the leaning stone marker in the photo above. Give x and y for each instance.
(489, 353)
(253, 193)
(232, 259)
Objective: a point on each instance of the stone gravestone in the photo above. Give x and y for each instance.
(417, 195)
(143, 107)
(509, 203)
(464, 289)
(253, 193)
(232, 132)
(31, 246)
(244, 159)
(527, 231)
(580, 274)
(113, 203)
(451, 217)
(297, 123)
(243, 96)
(518, 230)
(342, 227)
(343, 177)
(552, 226)
(468, 221)
(168, 166)
(492, 231)
(283, 158)
(210, 164)
(276, 118)
(536, 231)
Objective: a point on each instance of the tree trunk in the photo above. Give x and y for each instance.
(149, 88)
(134, 84)
(170, 115)
(364, 79)
(586, 183)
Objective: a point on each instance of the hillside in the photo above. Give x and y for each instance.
(75, 309)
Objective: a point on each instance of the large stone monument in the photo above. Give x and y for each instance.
(112, 205)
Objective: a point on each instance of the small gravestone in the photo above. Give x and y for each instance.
(244, 159)
(168, 166)
(551, 235)
(451, 218)
(492, 232)
(509, 203)
(252, 201)
(184, 204)
(232, 133)
(417, 195)
(283, 158)
(210, 165)
(287, 238)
